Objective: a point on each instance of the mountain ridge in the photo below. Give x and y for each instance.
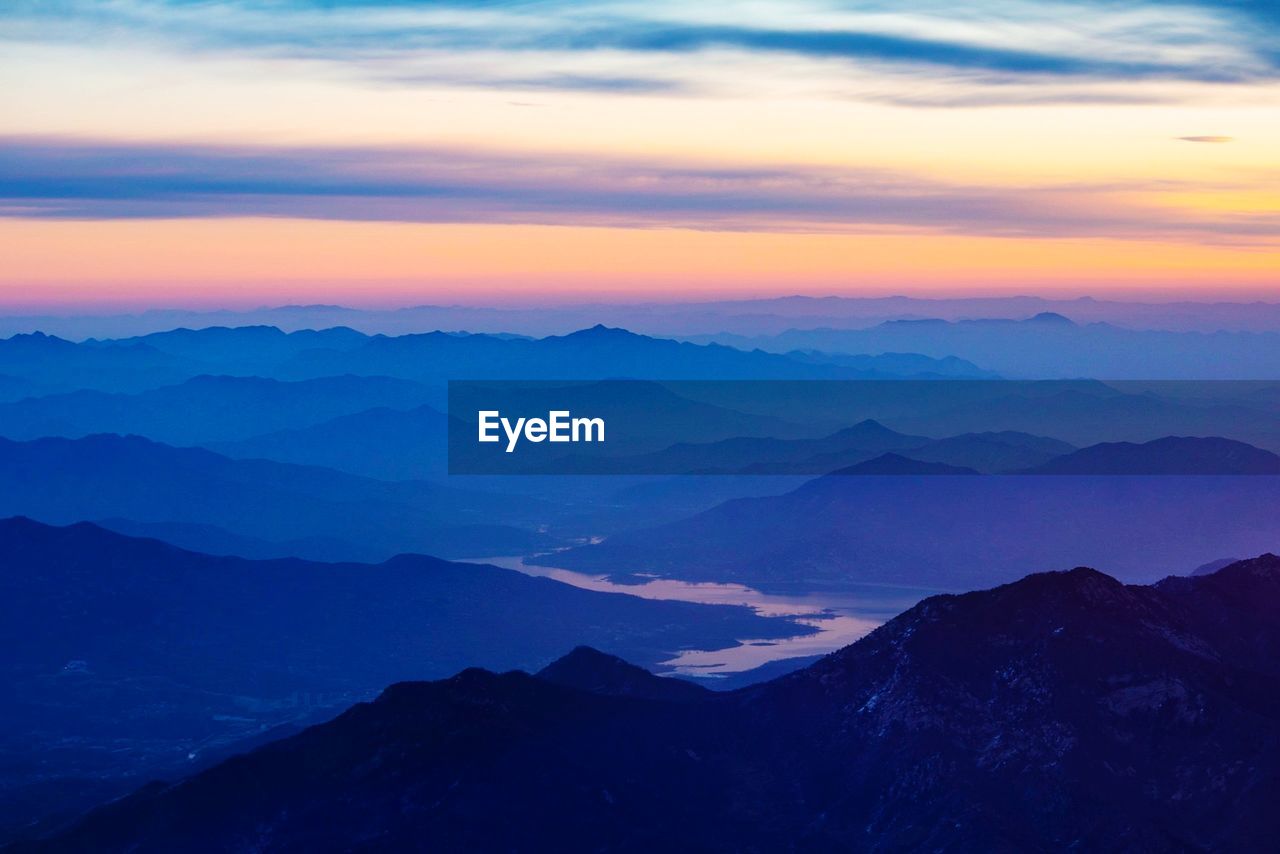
(1015, 718)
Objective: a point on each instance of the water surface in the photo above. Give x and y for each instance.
(840, 617)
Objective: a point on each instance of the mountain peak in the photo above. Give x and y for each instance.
(896, 464)
(1051, 317)
(601, 331)
(588, 669)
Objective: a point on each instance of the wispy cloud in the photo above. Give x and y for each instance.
(545, 42)
(1211, 139)
(78, 179)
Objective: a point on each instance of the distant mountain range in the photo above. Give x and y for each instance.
(906, 527)
(1047, 345)
(1063, 712)
(129, 657)
(52, 365)
(208, 409)
(1174, 455)
(762, 316)
(336, 516)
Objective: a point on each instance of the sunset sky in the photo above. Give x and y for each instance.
(378, 153)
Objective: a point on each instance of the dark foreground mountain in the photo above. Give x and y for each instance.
(1063, 712)
(951, 533)
(128, 657)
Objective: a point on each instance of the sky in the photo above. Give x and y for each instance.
(384, 152)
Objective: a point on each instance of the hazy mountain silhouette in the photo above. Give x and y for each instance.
(896, 464)
(1172, 455)
(1213, 566)
(993, 452)
(860, 443)
(51, 364)
(108, 476)
(756, 316)
(384, 443)
(1015, 719)
(1047, 345)
(244, 349)
(950, 532)
(130, 657)
(207, 409)
(599, 352)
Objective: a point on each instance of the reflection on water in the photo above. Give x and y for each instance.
(839, 617)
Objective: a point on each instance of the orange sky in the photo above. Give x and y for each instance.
(1067, 155)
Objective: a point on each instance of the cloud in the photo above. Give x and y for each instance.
(547, 44)
(57, 178)
(880, 47)
(1214, 139)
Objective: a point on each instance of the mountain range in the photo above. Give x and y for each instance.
(1065, 711)
(758, 316)
(208, 409)
(908, 527)
(1046, 345)
(337, 516)
(129, 657)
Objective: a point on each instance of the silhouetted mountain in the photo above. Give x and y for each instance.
(898, 365)
(212, 540)
(384, 443)
(206, 408)
(1065, 711)
(596, 353)
(985, 452)
(589, 670)
(765, 454)
(1045, 347)
(129, 657)
(104, 477)
(1213, 566)
(896, 464)
(993, 452)
(244, 349)
(1172, 455)
(755, 316)
(50, 364)
(949, 532)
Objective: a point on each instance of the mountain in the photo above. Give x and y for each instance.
(128, 477)
(599, 352)
(898, 365)
(1213, 566)
(1064, 711)
(242, 349)
(742, 316)
(50, 364)
(382, 443)
(896, 464)
(206, 409)
(949, 533)
(590, 670)
(1044, 346)
(765, 454)
(129, 657)
(861, 443)
(994, 452)
(1173, 455)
